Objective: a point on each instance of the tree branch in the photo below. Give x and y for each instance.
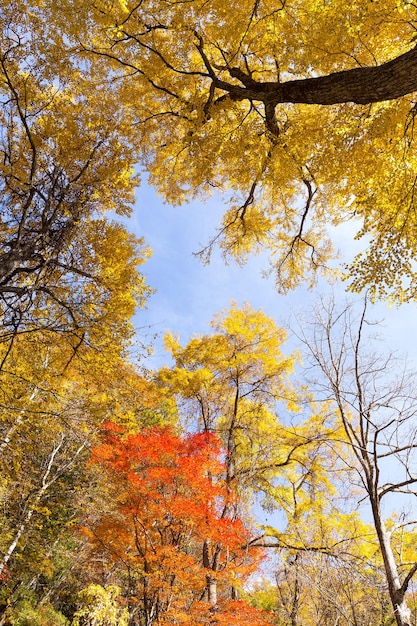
(362, 85)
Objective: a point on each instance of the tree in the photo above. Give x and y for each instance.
(328, 565)
(333, 574)
(303, 95)
(314, 588)
(375, 403)
(236, 383)
(69, 285)
(99, 607)
(64, 268)
(169, 496)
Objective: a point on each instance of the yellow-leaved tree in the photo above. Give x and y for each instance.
(65, 161)
(232, 382)
(301, 112)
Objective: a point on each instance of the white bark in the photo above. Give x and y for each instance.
(19, 420)
(47, 481)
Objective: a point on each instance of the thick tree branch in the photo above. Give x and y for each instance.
(362, 85)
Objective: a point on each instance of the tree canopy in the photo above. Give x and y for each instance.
(128, 495)
(300, 113)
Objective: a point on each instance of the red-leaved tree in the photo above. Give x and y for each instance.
(169, 537)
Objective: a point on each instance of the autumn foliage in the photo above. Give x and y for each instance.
(301, 115)
(171, 505)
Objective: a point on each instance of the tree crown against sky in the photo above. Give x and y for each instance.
(374, 400)
(301, 113)
(298, 124)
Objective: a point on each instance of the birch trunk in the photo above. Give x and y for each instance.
(211, 583)
(396, 592)
(47, 480)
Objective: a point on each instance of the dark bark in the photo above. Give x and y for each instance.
(362, 85)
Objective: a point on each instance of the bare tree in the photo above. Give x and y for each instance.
(376, 407)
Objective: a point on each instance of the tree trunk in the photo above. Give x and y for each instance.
(211, 582)
(396, 592)
(211, 591)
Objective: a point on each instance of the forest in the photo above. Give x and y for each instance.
(245, 482)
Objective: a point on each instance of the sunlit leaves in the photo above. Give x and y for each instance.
(181, 66)
(98, 606)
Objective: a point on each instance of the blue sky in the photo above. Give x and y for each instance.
(189, 293)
